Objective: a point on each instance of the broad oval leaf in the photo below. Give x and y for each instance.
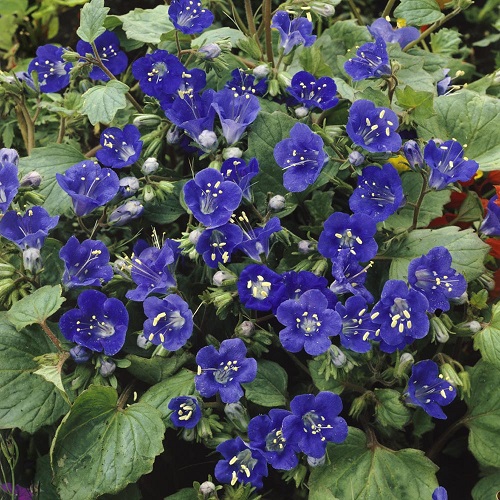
(100, 103)
(419, 12)
(488, 339)
(91, 20)
(269, 387)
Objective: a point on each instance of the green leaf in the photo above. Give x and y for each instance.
(363, 473)
(445, 41)
(269, 387)
(487, 488)
(50, 369)
(319, 380)
(100, 103)
(100, 448)
(390, 411)
(27, 402)
(483, 419)
(158, 396)
(146, 25)
(49, 161)
(431, 207)
(312, 61)
(471, 119)
(217, 35)
(53, 266)
(320, 206)
(92, 18)
(37, 307)
(168, 210)
(488, 339)
(466, 248)
(184, 494)
(417, 103)
(419, 12)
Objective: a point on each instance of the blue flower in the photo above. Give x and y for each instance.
(216, 245)
(315, 422)
(381, 28)
(128, 186)
(235, 112)
(256, 241)
(427, 389)
(211, 198)
(169, 323)
(373, 128)
(86, 264)
(100, 324)
(433, 276)
(379, 192)
(189, 16)
(400, 314)
(448, 164)
(89, 186)
(309, 323)
(120, 148)
(28, 230)
(8, 155)
(352, 232)
(266, 434)
(53, 71)
(9, 185)
(224, 371)
(491, 223)
(312, 93)
(150, 272)
(301, 156)
(241, 464)
(108, 48)
(444, 85)
(240, 172)
(242, 84)
(186, 411)
(192, 82)
(292, 33)
(80, 354)
(371, 61)
(159, 73)
(130, 210)
(357, 326)
(413, 155)
(258, 287)
(440, 493)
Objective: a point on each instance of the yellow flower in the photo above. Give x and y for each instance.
(399, 163)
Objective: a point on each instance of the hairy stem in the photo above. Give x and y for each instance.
(355, 11)
(51, 335)
(418, 204)
(250, 20)
(266, 12)
(62, 130)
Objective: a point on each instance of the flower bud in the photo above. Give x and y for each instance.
(245, 328)
(413, 154)
(463, 299)
(316, 462)
(207, 140)
(32, 179)
(126, 212)
(473, 326)
(356, 158)
(148, 193)
(71, 56)
(465, 379)
(188, 434)
(80, 354)
(150, 166)
(337, 357)
(277, 203)
(405, 362)
(220, 277)
(174, 135)
(207, 489)
(107, 367)
(222, 300)
(6, 270)
(439, 330)
(450, 375)
(323, 9)
(274, 88)
(8, 155)
(143, 342)
(194, 236)
(284, 79)
(301, 112)
(32, 260)
(232, 152)
(209, 51)
(305, 246)
(128, 186)
(147, 121)
(261, 71)
(237, 415)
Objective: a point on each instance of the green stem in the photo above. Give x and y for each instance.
(355, 11)
(51, 335)
(237, 18)
(388, 8)
(433, 28)
(418, 204)
(178, 45)
(62, 130)
(250, 20)
(266, 13)
(122, 400)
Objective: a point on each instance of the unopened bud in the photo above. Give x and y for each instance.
(450, 375)
(142, 342)
(126, 212)
(323, 9)
(150, 166)
(337, 357)
(277, 203)
(284, 79)
(232, 152)
(220, 277)
(274, 88)
(80, 354)
(356, 158)
(209, 51)
(305, 246)
(71, 56)
(413, 155)
(439, 330)
(473, 326)
(32, 260)
(128, 186)
(301, 112)
(405, 362)
(8, 155)
(188, 434)
(245, 328)
(194, 236)
(107, 368)
(147, 121)
(316, 462)
(261, 71)
(174, 135)
(237, 414)
(148, 193)
(463, 299)
(207, 489)
(207, 140)
(32, 179)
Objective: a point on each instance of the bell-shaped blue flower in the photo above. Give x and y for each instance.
(382, 28)
(309, 323)
(189, 16)
(371, 61)
(448, 164)
(128, 186)
(373, 128)
(169, 323)
(52, 70)
(240, 172)
(440, 493)
(400, 314)
(235, 112)
(108, 48)
(225, 370)
(266, 434)
(312, 93)
(348, 232)
(427, 389)
(491, 222)
(433, 276)
(413, 155)
(130, 210)
(292, 32)
(301, 156)
(444, 85)
(241, 464)
(120, 148)
(379, 192)
(85, 264)
(211, 198)
(315, 422)
(258, 287)
(216, 245)
(28, 230)
(89, 186)
(186, 411)
(9, 185)
(9, 155)
(99, 323)
(242, 83)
